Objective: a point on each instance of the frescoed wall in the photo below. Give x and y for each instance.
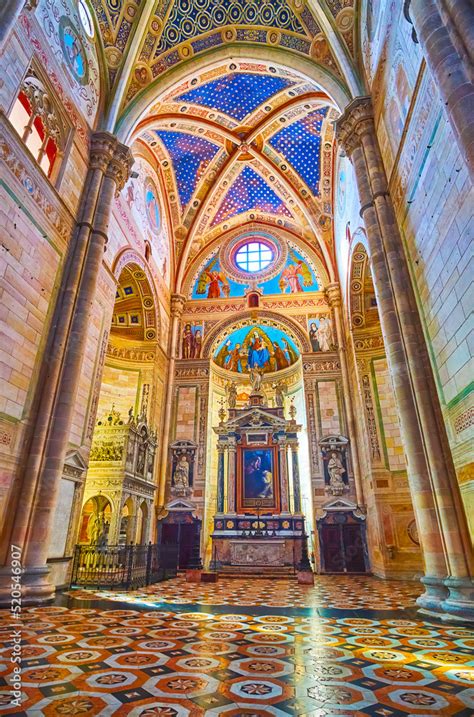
(295, 276)
(263, 347)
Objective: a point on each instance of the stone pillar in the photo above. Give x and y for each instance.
(296, 477)
(109, 169)
(220, 478)
(9, 13)
(178, 302)
(284, 482)
(333, 293)
(231, 476)
(442, 527)
(444, 29)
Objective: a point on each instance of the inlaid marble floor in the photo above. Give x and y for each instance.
(347, 592)
(100, 658)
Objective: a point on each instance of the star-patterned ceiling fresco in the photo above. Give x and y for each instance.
(243, 142)
(238, 140)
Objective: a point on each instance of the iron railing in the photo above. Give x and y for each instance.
(125, 567)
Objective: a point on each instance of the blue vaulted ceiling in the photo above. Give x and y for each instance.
(190, 156)
(300, 144)
(237, 94)
(249, 191)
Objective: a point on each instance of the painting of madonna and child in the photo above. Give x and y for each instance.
(265, 348)
(257, 472)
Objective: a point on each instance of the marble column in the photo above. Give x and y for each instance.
(333, 293)
(231, 473)
(444, 29)
(442, 527)
(178, 302)
(220, 478)
(9, 13)
(296, 477)
(31, 527)
(284, 481)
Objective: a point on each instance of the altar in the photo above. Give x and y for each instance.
(259, 526)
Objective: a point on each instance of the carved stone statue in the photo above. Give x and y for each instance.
(336, 471)
(280, 391)
(231, 394)
(181, 473)
(96, 528)
(256, 377)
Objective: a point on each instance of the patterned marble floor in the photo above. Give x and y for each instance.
(101, 658)
(332, 591)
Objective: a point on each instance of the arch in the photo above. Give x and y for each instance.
(247, 318)
(90, 531)
(279, 233)
(304, 66)
(151, 304)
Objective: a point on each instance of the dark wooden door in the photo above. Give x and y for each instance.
(353, 548)
(332, 549)
(169, 533)
(186, 540)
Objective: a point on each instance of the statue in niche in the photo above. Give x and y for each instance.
(256, 377)
(141, 459)
(96, 528)
(181, 473)
(231, 394)
(336, 471)
(280, 391)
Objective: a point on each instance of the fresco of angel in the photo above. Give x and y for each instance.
(295, 273)
(212, 282)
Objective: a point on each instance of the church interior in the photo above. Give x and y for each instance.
(236, 405)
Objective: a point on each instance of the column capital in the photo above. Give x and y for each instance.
(111, 157)
(357, 118)
(102, 149)
(120, 165)
(178, 302)
(333, 293)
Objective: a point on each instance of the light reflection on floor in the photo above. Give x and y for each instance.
(106, 658)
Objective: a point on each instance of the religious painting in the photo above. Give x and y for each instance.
(212, 283)
(251, 263)
(258, 486)
(320, 333)
(73, 50)
(191, 340)
(151, 206)
(265, 348)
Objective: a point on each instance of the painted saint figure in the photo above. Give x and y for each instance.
(258, 354)
(313, 336)
(187, 342)
(325, 334)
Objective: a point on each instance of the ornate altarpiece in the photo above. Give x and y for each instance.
(258, 524)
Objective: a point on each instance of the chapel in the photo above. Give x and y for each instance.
(236, 357)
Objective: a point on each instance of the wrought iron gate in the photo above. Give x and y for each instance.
(126, 567)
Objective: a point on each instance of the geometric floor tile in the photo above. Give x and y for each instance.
(240, 648)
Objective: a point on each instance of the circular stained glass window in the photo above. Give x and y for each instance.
(86, 19)
(253, 256)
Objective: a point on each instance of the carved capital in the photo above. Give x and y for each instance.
(178, 302)
(356, 120)
(333, 293)
(102, 149)
(120, 165)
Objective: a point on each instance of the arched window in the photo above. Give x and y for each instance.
(35, 119)
(147, 250)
